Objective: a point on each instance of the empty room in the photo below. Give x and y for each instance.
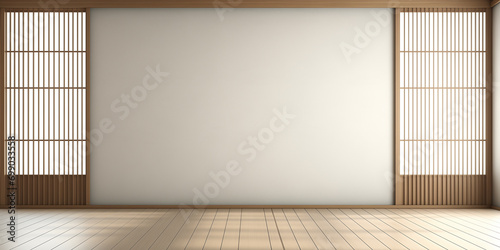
(250, 124)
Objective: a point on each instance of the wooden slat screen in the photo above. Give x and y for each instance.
(46, 103)
(441, 113)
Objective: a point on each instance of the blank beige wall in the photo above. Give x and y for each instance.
(231, 75)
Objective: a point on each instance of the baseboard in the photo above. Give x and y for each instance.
(250, 206)
(497, 208)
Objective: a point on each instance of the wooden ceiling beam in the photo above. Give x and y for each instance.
(54, 4)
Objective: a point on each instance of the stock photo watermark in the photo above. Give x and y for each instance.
(249, 149)
(51, 4)
(364, 36)
(223, 6)
(122, 107)
(127, 102)
(11, 187)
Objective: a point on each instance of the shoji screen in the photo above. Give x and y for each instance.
(443, 110)
(45, 103)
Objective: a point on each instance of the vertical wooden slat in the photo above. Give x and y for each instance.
(449, 73)
(482, 105)
(81, 155)
(56, 182)
(423, 92)
(16, 96)
(36, 116)
(455, 101)
(17, 112)
(469, 120)
(465, 83)
(397, 104)
(80, 108)
(60, 112)
(51, 186)
(31, 59)
(75, 158)
(451, 105)
(467, 115)
(22, 82)
(87, 108)
(443, 134)
(444, 102)
(71, 125)
(69, 103)
(26, 110)
(477, 93)
(435, 124)
(420, 112)
(51, 182)
(41, 82)
(29, 116)
(41, 167)
(415, 108)
(10, 83)
(466, 108)
(405, 166)
(427, 107)
(64, 116)
(479, 101)
(72, 105)
(411, 108)
(489, 114)
(20, 113)
(82, 72)
(460, 42)
(3, 59)
(476, 102)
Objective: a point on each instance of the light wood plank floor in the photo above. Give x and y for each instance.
(256, 229)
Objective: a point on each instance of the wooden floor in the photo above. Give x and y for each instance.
(256, 229)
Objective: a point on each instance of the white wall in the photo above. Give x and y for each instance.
(496, 106)
(225, 79)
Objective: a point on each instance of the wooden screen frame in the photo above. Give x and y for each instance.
(398, 178)
(84, 180)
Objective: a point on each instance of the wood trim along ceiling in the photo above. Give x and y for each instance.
(494, 2)
(251, 206)
(45, 4)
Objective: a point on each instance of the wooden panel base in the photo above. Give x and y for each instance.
(444, 190)
(50, 189)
